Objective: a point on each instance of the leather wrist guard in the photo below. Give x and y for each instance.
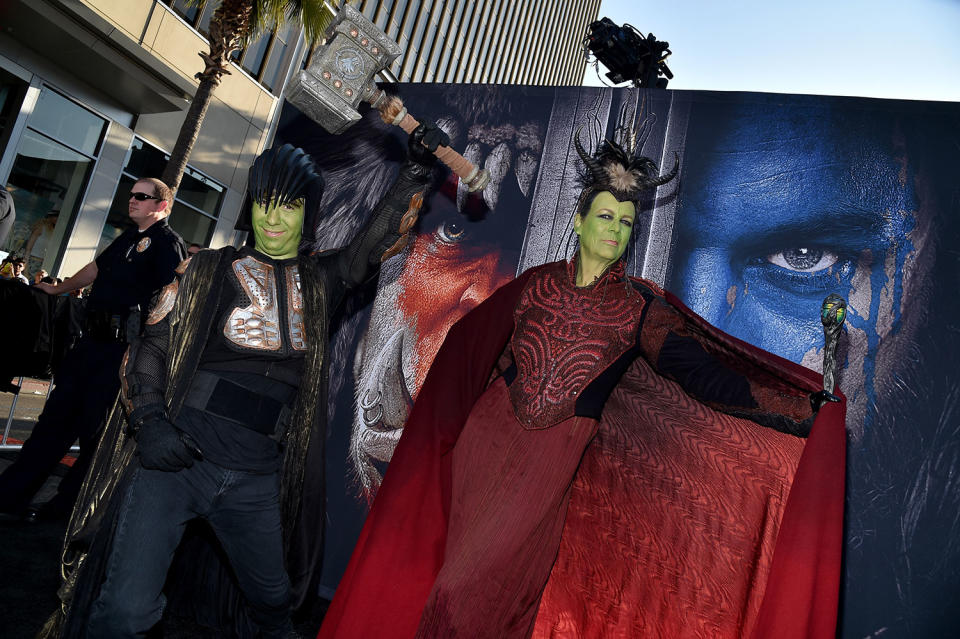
(406, 195)
(406, 223)
(138, 416)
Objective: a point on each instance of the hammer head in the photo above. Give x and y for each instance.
(342, 71)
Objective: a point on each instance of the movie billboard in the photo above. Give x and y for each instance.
(780, 201)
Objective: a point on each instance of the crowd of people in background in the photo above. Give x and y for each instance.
(14, 269)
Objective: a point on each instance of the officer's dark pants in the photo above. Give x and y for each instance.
(244, 511)
(87, 384)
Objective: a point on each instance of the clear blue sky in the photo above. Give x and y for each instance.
(881, 48)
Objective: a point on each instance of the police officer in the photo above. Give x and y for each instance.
(126, 277)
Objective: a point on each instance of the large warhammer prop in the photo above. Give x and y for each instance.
(341, 75)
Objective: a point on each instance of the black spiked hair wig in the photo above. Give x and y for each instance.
(284, 174)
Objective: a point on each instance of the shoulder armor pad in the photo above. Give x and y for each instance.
(182, 266)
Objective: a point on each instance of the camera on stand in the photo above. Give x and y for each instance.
(630, 56)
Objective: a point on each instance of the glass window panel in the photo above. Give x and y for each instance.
(118, 219)
(188, 11)
(12, 91)
(432, 34)
(309, 56)
(409, 16)
(203, 25)
(369, 8)
(195, 188)
(397, 9)
(145, 160)
(421, 26)
(193, 227)
(254, 55)
(273, 72)
(201, 192)
(288, 32)
(390, 29)
(67, 121)
(457, 16)
(47, 182)
(382, 15)
(394, 18)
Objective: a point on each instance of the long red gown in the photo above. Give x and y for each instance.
(542, 507)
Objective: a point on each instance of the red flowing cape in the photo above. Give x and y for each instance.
(400, 549)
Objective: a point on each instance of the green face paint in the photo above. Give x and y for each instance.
(604, 232)
(277, 229)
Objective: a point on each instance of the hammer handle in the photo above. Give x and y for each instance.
(457, 163)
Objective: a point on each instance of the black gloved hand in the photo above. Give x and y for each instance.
(424, 141)
(161, 447)
(819, 398)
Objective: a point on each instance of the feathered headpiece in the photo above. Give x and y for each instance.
(618, 167)
(284, 174)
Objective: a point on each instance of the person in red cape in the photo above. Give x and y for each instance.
(588, 458)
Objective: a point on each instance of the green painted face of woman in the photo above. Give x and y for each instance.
(604, 233)
(277, 229)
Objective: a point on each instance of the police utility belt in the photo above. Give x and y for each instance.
(105, 326)
(247, 407)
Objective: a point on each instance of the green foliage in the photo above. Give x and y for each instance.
(313, 15)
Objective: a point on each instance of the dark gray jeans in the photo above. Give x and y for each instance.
(244, 511)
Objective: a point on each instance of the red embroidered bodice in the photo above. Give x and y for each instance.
(565, 336)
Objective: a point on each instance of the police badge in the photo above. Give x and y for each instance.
(143, 244)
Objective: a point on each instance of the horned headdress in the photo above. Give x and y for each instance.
(618, 167)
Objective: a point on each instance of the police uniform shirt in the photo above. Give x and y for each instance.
(133, 269)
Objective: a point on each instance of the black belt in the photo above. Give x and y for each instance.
(106, 326)
(221, 397)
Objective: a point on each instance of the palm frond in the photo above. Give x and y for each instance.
(313, 15)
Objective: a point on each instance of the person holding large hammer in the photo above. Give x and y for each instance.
(226, 400)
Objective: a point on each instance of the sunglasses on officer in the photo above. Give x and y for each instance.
(140, 197)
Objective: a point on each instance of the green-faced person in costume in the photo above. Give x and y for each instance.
(225, 397)
(614, 179)
(277, 228)
(604, 233)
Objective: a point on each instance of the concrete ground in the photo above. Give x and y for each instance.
(29, 567)
(29, 403)
(29, 554)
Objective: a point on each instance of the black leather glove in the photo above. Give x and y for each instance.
(424, 141)
(819, 398)
(161, 446)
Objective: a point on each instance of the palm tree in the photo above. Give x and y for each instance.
(235, 24)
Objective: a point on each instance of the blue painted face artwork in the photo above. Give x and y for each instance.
(783, 205)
